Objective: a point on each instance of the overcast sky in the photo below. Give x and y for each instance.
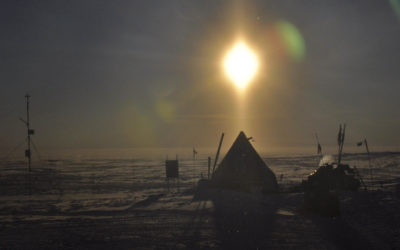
(105, 74)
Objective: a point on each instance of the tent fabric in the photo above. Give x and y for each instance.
(243, 169)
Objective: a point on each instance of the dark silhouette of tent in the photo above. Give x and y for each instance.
(243, 169)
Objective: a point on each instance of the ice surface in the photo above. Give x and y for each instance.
(67, 198)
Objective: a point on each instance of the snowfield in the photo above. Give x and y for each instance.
(126, 204)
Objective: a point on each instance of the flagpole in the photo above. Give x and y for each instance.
(319, 150)
(369, 160)
(216, 157)
(341, 141)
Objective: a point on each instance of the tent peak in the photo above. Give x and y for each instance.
(243, 169)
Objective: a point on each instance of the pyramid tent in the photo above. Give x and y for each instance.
(243, 169)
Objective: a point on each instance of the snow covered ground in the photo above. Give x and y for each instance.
(126, 203)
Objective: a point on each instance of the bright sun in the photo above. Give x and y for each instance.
(241, 64)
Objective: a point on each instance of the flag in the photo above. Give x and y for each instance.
(319, 149)
(343, 133)
(359, 144)
(194, 153)
(339, 137)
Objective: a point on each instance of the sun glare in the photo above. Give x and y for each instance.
(241, 65)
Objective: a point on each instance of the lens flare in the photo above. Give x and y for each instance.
(396, 7)
(241, 65)
(292, 39)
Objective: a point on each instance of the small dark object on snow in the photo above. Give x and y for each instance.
(328, 177)
(318, 188)
(172, 168)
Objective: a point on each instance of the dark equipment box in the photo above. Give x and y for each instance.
(172, 168)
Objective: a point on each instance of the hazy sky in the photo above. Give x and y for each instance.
(106, 74)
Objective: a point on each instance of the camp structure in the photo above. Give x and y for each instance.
(243, 169)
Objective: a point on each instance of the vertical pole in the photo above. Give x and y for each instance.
(28, 151)
(216, 157)
(369, 160)
(319, 150)
(341, 145)
(341, 142)
(209, 166)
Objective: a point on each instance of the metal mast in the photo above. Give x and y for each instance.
(30, 132)
(216, 157)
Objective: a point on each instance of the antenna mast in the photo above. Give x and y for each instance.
(30, 132)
